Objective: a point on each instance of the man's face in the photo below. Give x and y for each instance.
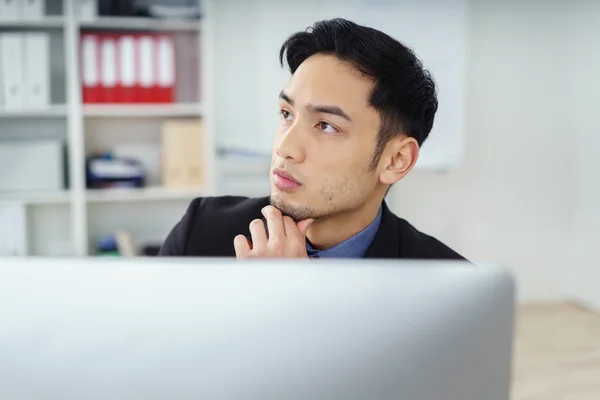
(325, 141)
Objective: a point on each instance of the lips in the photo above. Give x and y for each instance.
(286, 175)
(284, 181)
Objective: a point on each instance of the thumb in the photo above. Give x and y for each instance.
(303, 225)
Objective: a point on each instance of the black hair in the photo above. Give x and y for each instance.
(404, 93)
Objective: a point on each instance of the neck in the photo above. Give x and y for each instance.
(328, 231)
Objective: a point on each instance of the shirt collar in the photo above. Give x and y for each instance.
(354, 247)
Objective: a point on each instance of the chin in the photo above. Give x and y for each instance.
(295, 210)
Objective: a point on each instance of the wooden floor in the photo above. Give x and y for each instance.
(557, 353)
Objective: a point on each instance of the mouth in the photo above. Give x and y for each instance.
(285, 181)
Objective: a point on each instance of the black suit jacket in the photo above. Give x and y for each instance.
(208, 227)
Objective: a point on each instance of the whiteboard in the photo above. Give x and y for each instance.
(248, 77)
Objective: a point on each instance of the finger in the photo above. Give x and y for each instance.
(259, 235)
(242, 246)
(291, 230)
(304, 225)
(274, 222)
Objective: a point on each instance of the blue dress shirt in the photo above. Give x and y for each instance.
(354, 247)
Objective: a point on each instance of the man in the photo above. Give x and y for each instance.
(354, 114)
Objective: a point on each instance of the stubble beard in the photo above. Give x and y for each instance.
(337, 195)
(297, 213)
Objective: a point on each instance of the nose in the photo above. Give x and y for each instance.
(291, 146)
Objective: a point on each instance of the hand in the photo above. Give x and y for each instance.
(287, 239)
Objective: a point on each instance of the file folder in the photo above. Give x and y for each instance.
(37, 70)
(166, 69)
(108, 69)
(31, 9)
(127, 69)
(12, 47)
(9, 10)
(90, 67)
(146, 68)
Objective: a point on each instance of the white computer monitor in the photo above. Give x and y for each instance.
(217, 329)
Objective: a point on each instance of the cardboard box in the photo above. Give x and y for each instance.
(182, 154)
(31, 165)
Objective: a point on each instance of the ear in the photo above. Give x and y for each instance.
(398, 158)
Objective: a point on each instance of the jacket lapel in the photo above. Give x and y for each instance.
(386, 243)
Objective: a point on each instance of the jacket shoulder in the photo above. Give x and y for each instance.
(210, 224)
(227, 204)
(217, 220)
(418, 245)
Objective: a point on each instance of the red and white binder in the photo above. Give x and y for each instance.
(108, 70)
(127, 68)
(126, 72)
(90, 67)
(165, 60)
(146, 68)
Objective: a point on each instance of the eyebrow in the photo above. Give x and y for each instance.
(284, 96)
(334, 110)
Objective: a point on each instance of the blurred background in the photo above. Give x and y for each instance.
(115, 114)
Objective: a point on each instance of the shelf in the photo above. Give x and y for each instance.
(143, 110)
(35, 197)
(46, 22)
(140, 23)
(121, 195)
(58, 110)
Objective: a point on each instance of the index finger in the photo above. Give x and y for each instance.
(291, 230)
(296, 229)
(274, 221)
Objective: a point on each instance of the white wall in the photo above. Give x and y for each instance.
(250, 34)
(523, 197)
(511, 202)
(585, 262)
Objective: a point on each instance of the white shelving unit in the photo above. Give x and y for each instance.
(69, 222)
(45, 23)
(127, 195)
(143, 110)
(37, 197)
(55, 110)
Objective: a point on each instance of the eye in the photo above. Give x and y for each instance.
(326, 127)
(286, 115)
